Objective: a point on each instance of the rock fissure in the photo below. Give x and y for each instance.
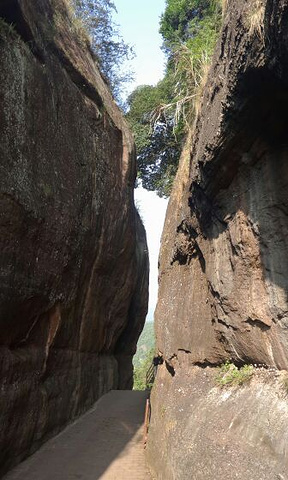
(226, 324)
(169, 367)
(256, 322)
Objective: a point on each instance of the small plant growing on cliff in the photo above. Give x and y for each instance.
(7, 29)
(76, 24)
(256, 19)
(229, 374)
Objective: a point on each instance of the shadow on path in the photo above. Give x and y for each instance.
(106, 443)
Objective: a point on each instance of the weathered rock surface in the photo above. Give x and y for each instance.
(73, 262)
(223, 262)
(200, 431)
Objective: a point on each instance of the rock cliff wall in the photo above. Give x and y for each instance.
(200, 431)
(223, 262)
(73, 261)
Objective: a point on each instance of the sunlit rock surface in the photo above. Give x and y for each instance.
(73, 262)
(200, 431)
(223, 262)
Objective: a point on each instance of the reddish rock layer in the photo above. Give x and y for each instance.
(73, 266)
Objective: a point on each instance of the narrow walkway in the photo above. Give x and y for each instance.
(106, 443)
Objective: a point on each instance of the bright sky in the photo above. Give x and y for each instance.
(152, 210)
(139, 25)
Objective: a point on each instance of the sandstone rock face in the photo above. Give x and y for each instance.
(223, 262)
(73, 262)
(200, 431)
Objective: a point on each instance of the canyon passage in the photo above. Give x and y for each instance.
(74, 260)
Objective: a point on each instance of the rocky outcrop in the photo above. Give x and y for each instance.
(73, 266)
(223, 263)
(200, 431)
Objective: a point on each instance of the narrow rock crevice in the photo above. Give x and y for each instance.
(169, 368)
(256, 322)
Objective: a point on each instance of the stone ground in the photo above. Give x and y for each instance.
(106, 443)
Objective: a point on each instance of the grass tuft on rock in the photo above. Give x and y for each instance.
(255, 19)
(229, 374)
(7, 29)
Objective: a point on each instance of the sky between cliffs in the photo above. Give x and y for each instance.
(139, 24)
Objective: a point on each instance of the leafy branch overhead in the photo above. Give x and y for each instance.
(161, 115)
(111, 50)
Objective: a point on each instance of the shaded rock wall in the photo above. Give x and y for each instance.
(223, 261)
(73, 261)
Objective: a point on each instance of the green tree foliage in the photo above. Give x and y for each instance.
(109, 47)
(181, 20)
(157, 143)
(192, 61)
(159, 170)
(229, 374)
(143, 358)
(160, 116)
(145, 343)
(141, 370)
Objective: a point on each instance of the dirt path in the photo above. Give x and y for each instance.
(106, 443)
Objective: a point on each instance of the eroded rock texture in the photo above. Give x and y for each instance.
(73, 267)
(202, 432)
(223, 263)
